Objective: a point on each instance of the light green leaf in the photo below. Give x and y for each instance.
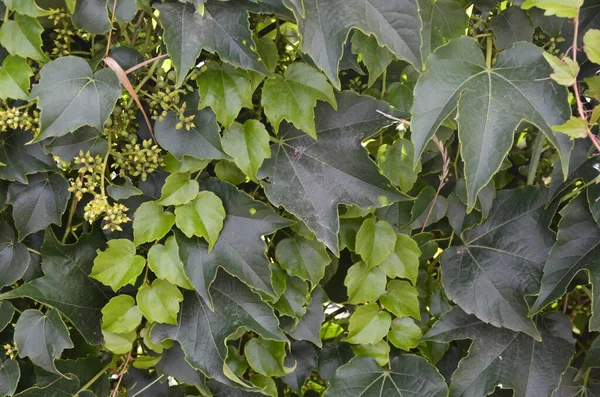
(203, 217)
(375, 57)
(404, 334)
(178, 189)
(22, 36)
(266, 357)
(404, 261)
(292, 302)
(565, 70)
(368, 325)
(574, 128)
(229, 172)
(26, 7)
(303, 258)
(118, 265)
(294, 96)
(248, 144)
(375, 241)
(187, 163)
(15, 75)
(164, 261)
(380, 351)
(159, 302)
(560, 8)
(591, 45)
(121, 315)
(42, 337)
(119, 343)
(86, 98)
(146, 362)
(151, 222)
(396, 162)
(226, 90)
(364, 285)
(402, 299)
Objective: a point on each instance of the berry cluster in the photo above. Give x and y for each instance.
(14, 118)
(138, 160)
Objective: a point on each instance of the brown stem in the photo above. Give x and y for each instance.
(443, 176)
(121, 375)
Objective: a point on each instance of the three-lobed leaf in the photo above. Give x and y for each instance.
(118, 265)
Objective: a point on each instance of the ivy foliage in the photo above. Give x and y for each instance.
(359, 198)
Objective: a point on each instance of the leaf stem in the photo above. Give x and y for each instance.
(148, 386)
(488, 55)
(112, 21)
(105, 164)
(34, 251)
(94, 378)
(121, 375)
(70, 219)
(538, 145)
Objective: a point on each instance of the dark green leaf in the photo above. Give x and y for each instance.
(62, 387)
(511, 26)
(92, 16)
(21, 159)
(303, 258)
(14, 258)
(310, 324)
(443, 20)
(9, 377)
(304, 356)
(7, 310)
(346, 174)
(84, 139)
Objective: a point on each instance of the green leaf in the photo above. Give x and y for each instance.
(501, 356)
(240, 249)
(396, 162)
(164, 261)
(294, 96)
(7, 311)
(38, 204)
(178, 189)
(407, 375)
(443, 20)
(303, 258)
(22, 159)
(565, 70)
(229, 172)
(266, 357)
(324, 27)
(10, 374)
(22, 36)
(26, 7)
(65, 386)
(123, 192)
(404, 334)
(346, 174)
(151, 222)
(511, 26)
(293, 301)
(70, 265)
(223, 28)
(380, 351)
(248, 145)
(85, 139)
(226, 90)
(560, 8)
(404, 261)
(203, 217)
(119, 343)
(15, 75)
(591, 42)
(574, 128)
(402, 299)
(364, 284)
(203, 333)
(501, 260)
(121, 315)
(305, 356)
(375, 57)
(368, 325)
(375, 242)
(309, 326)
(159, 302)
(42, 337)
(86, 98)
(92, 16)
(14, 258)
(577, 247)
(201, 142)
(491, 104)
(118, 265)
(185, 164)
(84, 369)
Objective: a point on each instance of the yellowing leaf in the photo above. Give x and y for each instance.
(565, 71)
(575, 128)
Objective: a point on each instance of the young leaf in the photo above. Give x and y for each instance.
(364, 285)
(501, 356)
(202, 217)
(119, 343)
(294, 95)
(86, 98)
(178, 189)
(26, 7)
(404, 261)
(375, 242)
(266, 357)
(118, 265)
(368, 325)
(151, 222)
(226, 90)
(407, 375)
(395, 23)
(591, 42)
(292, 302)
(248, 145)
(121, 315)
(346, 174)
(485, 128)
(164, 261)
(22, 36)
(303, 258)
(375, 57)
(404, 333)
(402, 299)
(560, 8)
(42, 337)
(379, 351)
(396, 162)
(159, 302)
(565, 70)
(574, 128)
(15, 75)
(69, 265)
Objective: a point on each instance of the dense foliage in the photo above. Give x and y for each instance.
(336, 198)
